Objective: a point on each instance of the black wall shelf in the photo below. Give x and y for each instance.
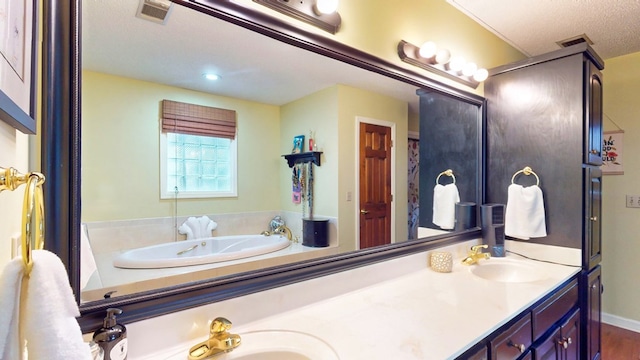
(311, 156)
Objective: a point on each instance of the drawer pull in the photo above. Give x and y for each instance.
(520, 347)
(565, 342)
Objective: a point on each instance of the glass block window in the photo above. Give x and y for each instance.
(195, 166)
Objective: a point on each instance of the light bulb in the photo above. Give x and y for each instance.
(211, 76)
(443, 56)
(469, 69)
(481, 75)
(428, 50)
(327, 6)
(456, 64)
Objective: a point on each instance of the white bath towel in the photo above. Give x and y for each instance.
(445, 198)
(197, 228)
(525, 215)
(45, 310)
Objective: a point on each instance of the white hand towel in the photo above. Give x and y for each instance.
(445, 198)
(10, 285)
(197, 228)
(525, 214)
(45, 310)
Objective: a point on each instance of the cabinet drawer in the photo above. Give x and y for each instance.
(554, 308)
(514, 341)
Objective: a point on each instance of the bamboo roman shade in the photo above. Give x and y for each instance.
(183, 118)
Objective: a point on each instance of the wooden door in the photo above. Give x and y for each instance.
(375, 185)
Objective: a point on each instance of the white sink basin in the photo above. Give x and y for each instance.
(507, 270)
(275, 345)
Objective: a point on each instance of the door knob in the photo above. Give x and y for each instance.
(364, 212)
(593, 218)
(594, 151)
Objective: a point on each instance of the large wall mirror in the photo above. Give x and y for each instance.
(278, 88)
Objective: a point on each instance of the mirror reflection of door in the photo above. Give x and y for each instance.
(375, 185)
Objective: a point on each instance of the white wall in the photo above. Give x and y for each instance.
(620, 236)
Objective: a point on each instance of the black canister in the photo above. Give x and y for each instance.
(315, 232)
(493, 228)
(465, 216)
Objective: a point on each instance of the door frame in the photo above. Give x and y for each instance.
(392, 125)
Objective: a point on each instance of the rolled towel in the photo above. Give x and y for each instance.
(197, 228)
(445, 198)
(525, 214)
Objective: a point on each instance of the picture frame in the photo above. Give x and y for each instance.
(612, 151)
(298, 144)
(18, 63)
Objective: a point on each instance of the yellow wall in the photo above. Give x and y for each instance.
(317, 112)
(621, 240)
(361, 103)
(120, 151)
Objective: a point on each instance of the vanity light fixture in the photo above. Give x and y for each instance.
(439, 61)
(320, 13)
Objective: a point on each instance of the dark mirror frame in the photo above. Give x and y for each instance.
(60, 146)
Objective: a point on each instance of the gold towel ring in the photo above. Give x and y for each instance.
(447, 172)
(527, 171)
(32, 219)
(32, 210)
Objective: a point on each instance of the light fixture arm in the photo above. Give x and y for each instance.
(410, 54)
(305, 10)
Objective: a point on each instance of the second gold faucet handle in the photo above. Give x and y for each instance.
(220, 325)
(476, 248)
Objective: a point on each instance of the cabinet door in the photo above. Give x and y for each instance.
(570, 337)
(593, 308)
(549, 349)
(593, 115)
(592, 232)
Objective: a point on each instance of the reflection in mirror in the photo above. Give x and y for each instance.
(278, 91)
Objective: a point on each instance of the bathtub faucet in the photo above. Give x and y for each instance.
(283, 229)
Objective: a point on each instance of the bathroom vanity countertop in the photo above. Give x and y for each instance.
(407, 311)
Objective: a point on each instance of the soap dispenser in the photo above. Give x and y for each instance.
(112, 337)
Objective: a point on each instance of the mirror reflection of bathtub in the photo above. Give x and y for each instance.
(111, 239)
(200, 251)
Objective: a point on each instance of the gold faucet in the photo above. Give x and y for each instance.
(283, 229)
(476, 254)
(220, 341)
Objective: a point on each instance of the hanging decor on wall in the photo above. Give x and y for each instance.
(612, 150)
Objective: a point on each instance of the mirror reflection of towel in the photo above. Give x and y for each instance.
(445, 198)
(524, 216)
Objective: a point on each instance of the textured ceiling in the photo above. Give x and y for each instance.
(534, 26)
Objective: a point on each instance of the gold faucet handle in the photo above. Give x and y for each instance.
(476, 248)
(220, 325)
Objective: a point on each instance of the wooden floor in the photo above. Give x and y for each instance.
(619, 344)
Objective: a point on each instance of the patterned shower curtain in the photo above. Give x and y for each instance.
(412, 178)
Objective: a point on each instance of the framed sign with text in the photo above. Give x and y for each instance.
(612, 149)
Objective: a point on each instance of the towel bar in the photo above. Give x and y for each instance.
(32, 210)
(447, 172)
(527, 171)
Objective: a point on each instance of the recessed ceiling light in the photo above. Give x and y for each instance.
(211, 76)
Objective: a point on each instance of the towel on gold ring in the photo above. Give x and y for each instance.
(525, 214)
(39, 311)
(445, 198)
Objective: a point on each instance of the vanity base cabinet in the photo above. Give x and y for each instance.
(550, 329)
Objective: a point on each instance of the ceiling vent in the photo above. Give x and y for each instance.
(575, 40)
(154, 10)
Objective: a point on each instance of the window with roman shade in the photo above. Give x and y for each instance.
(198, 151)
